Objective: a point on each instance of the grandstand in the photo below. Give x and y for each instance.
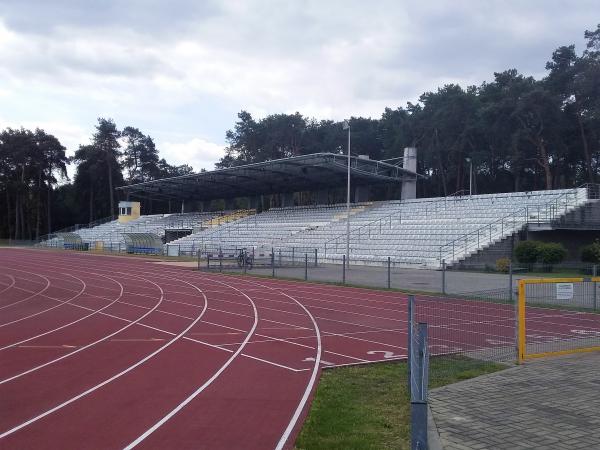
(420, 233)
(413, 233)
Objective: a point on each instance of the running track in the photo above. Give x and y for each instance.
(112, 352)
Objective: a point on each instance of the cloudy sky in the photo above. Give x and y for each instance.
(180, 70)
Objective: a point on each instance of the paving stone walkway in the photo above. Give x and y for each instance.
(545, 404)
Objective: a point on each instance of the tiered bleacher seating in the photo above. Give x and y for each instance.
(425, 232)
(420, 232)
(111, 233)
(269, 229)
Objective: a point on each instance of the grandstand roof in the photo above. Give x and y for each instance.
(295, 174)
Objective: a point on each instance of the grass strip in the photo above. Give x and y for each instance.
(368, 406)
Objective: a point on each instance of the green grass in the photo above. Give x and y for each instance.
(368, 407)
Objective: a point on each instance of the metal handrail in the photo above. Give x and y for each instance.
(548, 207)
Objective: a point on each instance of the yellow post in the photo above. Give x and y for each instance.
(521, 315)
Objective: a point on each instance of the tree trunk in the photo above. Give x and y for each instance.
(459, 174)
(545, 164)
(110, 185)
(38, 206)
(17, 217)
(49, 209)
(91, 205)
(8, 211)
(586, 150)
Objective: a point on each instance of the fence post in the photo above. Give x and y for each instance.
(244, 255)
(343, 269)
(510, 280)
(208, 261)
(293, 255)
(198, 258)
(316, 258)
(444, 276)
(273, 261)
(411, 319)
(595, 274)
(279, 257)
(389, 274)
(305, 266)
(220, 261)
(418, 403)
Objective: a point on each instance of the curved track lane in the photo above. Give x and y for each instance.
(235, 372)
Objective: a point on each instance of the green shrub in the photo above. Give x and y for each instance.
(552, 253)
(528, 252)
(591, 253)
(503, 265)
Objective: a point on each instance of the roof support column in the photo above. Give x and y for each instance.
(230, 204)
(409, 187)
(253, 201)
(361, 194)
(323, 197)
(287, 199)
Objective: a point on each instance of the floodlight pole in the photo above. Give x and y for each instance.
(347, 127)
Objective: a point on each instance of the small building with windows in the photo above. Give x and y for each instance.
(128, 211)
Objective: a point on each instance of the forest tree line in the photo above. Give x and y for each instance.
(519, 133)
(34, 203)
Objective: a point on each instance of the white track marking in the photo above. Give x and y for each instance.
(48, 346)
(138, 340)
(80, 349)
(8, 286)
(386, 354)
(185, 337)
(70, 323)
(62, 302)
(114, 377)
(263, 335)
(313, 378)
(317, 360)
(34, 294)
(325, 363)
(207, 383)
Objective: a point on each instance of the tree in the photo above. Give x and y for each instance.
(140, 156)
(105, 140)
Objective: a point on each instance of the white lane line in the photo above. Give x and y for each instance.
(80, 349)
(48, 346)
(31, 296)
(162, 274)
(114, 377)
(207, 383)
(62, 302)
(197, 341)
(138, 340)
(309, 387)
(8, 286)
(185, 337)
(313, 377)
(70, 323)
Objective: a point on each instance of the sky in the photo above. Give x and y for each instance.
(181, 70)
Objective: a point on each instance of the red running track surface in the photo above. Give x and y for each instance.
(114, 352)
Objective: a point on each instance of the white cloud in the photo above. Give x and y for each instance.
(182, 71)
(198, 153)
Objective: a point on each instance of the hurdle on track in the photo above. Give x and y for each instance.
(558, 316)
